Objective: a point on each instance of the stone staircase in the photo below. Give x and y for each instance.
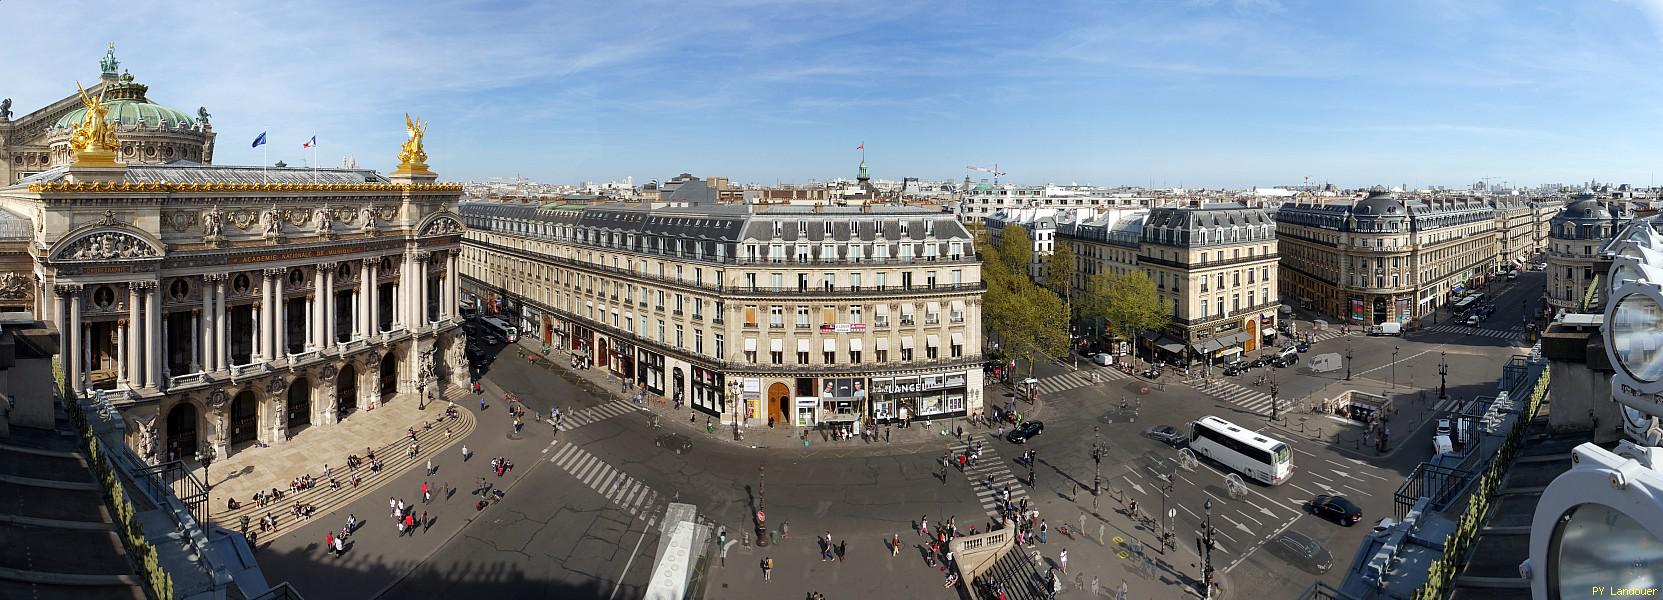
(395, 461)
(1016, 570)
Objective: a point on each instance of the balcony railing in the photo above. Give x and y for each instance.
(1204, 264)
(248, 369)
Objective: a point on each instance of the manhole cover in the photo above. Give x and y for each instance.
(675, 442)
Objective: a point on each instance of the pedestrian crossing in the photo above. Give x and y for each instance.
(1248, 399)
(990, 496)
(595, 414)
(1079, 379)
(1512, 333)
(628, 493)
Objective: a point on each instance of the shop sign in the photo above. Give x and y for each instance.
(843, 388)
(908, 386)
(1226, 327)
(842, 327)
(752, 388)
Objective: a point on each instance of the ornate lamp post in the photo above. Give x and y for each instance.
(1348, 359)
(761, 499)
(1206, 550)
(422, 376)
(1394, 366)
(1443, 376)
(1097, 464)
(1273, 393)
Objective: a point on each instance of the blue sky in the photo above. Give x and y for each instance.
(1199, 93)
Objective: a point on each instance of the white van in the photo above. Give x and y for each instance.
(1441, 445)
(1392, 328)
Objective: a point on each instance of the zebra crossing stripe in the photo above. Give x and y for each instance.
(561, 455)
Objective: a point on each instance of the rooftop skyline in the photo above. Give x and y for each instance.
(1194, 94)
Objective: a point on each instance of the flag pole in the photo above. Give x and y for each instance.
(314, 156)
(263, 162)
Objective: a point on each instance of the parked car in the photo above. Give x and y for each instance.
(1302, 551)
(1303, 346)
(1023, 432)
(1168, 435)
(1511, 275)
(1236, 368)
(1102, 359)
(1474, 320)
(1385, 329)
(1335, 508)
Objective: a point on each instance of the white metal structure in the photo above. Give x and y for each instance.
(1242, 450)
(501, 327)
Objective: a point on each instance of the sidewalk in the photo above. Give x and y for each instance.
(384, 429)
(886, 439)
(1412, 409)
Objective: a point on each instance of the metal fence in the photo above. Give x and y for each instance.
(175, 478)
(281, 591)
(1439, 484)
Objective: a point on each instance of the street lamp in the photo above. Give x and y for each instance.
(1097, 464)
(1394, 366)
(1273, 393)
(1443, 376)
(1348, 359)
(1206, 550)
(761, 499)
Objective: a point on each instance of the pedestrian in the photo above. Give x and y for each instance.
(340, 547)
(328, 540)
(400, 527)
(392, 506)
(785, 530)
(924, 525)
(400, 510)
(430, 467)
(842, 546)
(1062, 560)
(465, 453)
(1044, 532)
(410, 523)
(425, 523)
(895, 546)
(427, 496)
(767, 568)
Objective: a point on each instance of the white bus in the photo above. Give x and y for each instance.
(500, 327)
(1242, 450)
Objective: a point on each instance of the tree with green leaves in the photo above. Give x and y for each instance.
(1016, 249)
(1059, 272)
(1132, 305)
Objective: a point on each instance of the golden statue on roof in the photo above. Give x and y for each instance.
(411, 158)
(93, 140)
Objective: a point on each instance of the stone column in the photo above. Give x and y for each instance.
(153, 335)
(372, 296)
(73, 335)
(221, 320)
(421, 289)
(412, 283)
(205, 347)
(316, 311)
(358, 311)
(262, 319)
(279, 317)
(121, 352)
(452, 280)
(398, 303)
(196, 340)
(135, 336)
(331, 329)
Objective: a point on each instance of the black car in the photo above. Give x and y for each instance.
(1168, 435)
(1236, 368)
(1302, 551)
(1303, 346)
(1336, 509)
(1024, 431)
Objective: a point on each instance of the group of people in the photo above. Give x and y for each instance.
(501, 465)
(828, 549)
(404, 517)
(263, 498)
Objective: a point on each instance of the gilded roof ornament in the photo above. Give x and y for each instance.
(93, 140)
(411, 157)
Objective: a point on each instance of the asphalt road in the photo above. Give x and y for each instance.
(579, 519)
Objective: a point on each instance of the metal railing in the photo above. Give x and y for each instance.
(1204, 264)
(174, 478)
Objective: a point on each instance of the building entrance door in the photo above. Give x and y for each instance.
(779, 403)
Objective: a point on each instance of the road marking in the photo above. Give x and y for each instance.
(1250, 518)
(1318, 476)
(632, 553)
(1296, 486)
(1359, 492)
(1256, 547)
(1191, 512)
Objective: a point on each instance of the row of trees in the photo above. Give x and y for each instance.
(1026, 315)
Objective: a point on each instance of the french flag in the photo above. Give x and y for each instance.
(311, 143)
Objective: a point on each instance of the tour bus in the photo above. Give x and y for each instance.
(1253, 455)
(500, 327)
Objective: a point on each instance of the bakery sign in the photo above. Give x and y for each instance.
(842, 327)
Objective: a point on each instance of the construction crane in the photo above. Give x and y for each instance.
(995, 172)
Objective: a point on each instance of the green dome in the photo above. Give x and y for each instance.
(128, 113)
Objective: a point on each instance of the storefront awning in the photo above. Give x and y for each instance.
(831, 345)
(1170, 345)
(750, 344)
(802, 345)
(932, 340)
(881, 344)
(776, 345)
(854, 345)
(906, 343)
(1233, 350)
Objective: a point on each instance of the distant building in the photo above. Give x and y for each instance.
(1577, 234)
(1381, 258)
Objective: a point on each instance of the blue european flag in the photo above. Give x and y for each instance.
(259, 140)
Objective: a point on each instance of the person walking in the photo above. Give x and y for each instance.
(427, 496)
(410, 523)
(465, 453)
(842, 547)
(430, 467)
(1062, 560)
(895, 546)
(924, 525)
(400, 527)
(768, 568)
(328, 541)
(392, 506)
(340, 547)
(1044, 531)
(425, 523)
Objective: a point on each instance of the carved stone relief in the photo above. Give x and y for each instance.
(180, 221)
(243, 218)
(443, 226)
(108, 246)
(16, 286)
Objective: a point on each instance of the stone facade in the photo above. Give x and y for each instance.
(163, 278)
(1576, 237)
(793, 314)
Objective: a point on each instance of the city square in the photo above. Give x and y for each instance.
(573, 368)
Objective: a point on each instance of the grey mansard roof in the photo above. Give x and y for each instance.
(731, 223)
(1385, 212)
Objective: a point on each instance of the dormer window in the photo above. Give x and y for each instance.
(779, 229)
(802, 228)
(903, 225)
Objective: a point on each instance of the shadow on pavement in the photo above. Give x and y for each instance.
(346, 577)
